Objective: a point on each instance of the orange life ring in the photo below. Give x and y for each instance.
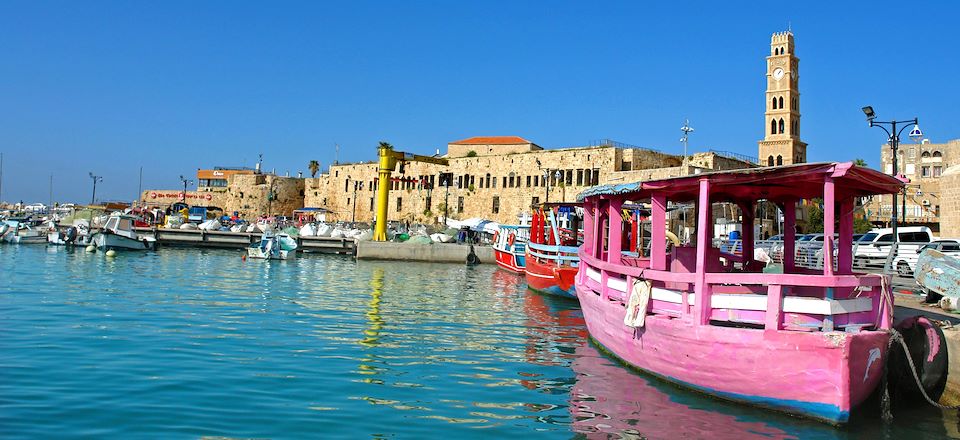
(496, 235)
(512, 238)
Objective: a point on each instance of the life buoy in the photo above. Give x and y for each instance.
(496, 235)
(511, 239)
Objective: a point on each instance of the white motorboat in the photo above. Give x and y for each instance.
(76, 235)
(16, 231)
(273, 247)
(118, 233)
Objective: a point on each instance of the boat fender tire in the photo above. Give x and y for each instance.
(511, 239)
(928, 348)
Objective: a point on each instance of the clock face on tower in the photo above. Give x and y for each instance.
(777, 73)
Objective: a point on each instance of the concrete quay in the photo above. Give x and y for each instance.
(436, 252)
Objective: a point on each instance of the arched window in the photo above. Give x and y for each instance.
(776, 51)
(781, 102)
(770, 161)
(781, 125)
(779, 160)
(937, 154)
(925, 155)
(794, 128)
(773, 103)
(773, 126)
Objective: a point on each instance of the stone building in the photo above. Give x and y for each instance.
(950, 202)
(250, 195)
(781, 144)
(500, 182)
(925, 165)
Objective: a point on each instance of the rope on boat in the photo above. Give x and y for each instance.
(896, 336)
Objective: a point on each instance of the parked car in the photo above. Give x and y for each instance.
(875, 246)
(906, 262)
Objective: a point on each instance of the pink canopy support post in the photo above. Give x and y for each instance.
(658, 232)
(614, 237)
(789, 235)
(746, 236)
(845, 244)
(701, 289)
(829, 219)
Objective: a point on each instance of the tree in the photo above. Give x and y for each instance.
(471, 153)
(861, 225)
(314, 167)
(860, 162)
(814, 217)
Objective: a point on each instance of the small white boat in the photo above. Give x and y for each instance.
(273, 247)
(76, 235)
(118, 233)
(18, 232)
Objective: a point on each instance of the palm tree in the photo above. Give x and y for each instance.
(860, 162)
(314, 166)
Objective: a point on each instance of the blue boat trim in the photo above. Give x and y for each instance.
(556, 291)
(820, 411)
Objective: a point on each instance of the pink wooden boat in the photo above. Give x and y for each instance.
(810, 343)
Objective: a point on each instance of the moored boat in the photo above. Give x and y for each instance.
(509, 248)
(806, 342)
(273, 247)
(118, 234)
(18, 231)
(551, 258)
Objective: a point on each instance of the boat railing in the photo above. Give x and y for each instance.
(559, 254)
(772, 301)
(887, 258)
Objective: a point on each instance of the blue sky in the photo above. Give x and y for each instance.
(173, 86)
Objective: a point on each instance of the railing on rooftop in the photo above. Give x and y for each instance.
(736, 156)
(613, 143)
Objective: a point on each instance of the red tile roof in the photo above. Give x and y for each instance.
(493, 140)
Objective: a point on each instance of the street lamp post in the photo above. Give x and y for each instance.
(93, 198)
(185, 182)
(893, 137)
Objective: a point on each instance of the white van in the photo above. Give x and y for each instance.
(874, 247)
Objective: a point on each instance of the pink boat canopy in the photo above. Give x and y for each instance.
(803, 181)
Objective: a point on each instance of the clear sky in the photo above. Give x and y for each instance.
(173, 86)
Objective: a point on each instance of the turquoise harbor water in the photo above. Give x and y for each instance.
(183, 343)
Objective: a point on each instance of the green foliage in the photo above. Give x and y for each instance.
(471, 153)
(314, 167)
(815, 217)
(471, 188)
(860, 162)
(861, 225)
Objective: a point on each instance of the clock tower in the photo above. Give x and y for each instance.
(781, 144)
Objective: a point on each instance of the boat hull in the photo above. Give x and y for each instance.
(821, 375)
(25, 239)
(108, 240)
(510, 261)
(256, 253)
(547, 277)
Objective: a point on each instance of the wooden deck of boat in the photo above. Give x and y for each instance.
(240, 240)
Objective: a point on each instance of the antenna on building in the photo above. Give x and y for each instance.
(259, 162)
(789, 27)
(686, 129)
(336, 154)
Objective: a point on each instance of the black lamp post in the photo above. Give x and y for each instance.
(185, 183)
(893, 137)
(93, 198)
(356, 185)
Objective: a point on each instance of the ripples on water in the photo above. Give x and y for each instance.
(190, 343)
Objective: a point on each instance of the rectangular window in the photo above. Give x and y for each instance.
(579, 177)
(346, 185)
(596, 176)
(496, 205)
(399, 204)
(535, 201)
(471, 180)
(924, 171)
(569, 177)
(504, 181)
(429, 203)
(536, 181)
(459, 181)
(937, 170)
(371, 203)
(528, 181)
(348, 201)
(460, 205)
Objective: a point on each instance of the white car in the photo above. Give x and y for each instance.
(874, 247)
(906, 261)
